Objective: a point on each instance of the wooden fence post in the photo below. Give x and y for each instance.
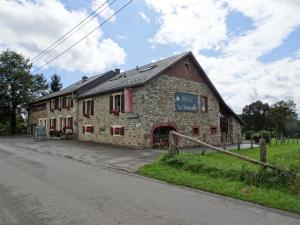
(204, 140)
(173, 150)
(251, 140)
(276, 139)
(263, 150)
(270, 138)
(239, 142)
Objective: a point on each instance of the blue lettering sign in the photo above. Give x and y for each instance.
(186, 102)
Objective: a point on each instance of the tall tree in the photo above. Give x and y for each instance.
(55, 84)
(283, 113)
(256, 116)
(18, 86)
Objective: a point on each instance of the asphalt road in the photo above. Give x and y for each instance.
(38, 189)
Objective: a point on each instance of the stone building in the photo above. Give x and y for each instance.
(58, 111)
(139, 107)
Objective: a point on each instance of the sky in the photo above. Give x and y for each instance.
(250, 49)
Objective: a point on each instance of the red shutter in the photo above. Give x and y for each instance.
(122, 103)
(92, 107)
(111, 100)
(83, 129)
(83, 108)
(49, 125)
(122, 130)
(111, 131)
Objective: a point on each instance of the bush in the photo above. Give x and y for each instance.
(248, 134)
(262, 133)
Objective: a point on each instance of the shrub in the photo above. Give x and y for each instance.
(265, 134)
(248, 134)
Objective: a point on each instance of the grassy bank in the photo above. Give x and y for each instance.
(222, 174)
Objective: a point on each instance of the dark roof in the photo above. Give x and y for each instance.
(134, 77)
(72, 88)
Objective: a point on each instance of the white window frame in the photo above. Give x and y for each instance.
(52, 103)
(40, 123)
(68, 101)
(51, 122)
(86, 108)
(88, 125)
(116, 126)
(114, 100)
(67, 120)
(45, 122)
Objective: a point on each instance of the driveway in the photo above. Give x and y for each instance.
(122, 158)
(45, 189)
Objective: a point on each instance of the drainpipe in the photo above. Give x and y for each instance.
(77, 116)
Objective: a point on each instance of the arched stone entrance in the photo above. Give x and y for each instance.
(160, 134)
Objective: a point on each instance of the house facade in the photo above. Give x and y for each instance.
(58, 112)
(139, 107)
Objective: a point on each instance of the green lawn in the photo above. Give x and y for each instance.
(225, 175)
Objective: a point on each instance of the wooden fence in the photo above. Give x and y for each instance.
(173, 150)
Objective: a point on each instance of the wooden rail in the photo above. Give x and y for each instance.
(174, 150)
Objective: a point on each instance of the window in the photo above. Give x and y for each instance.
(69, 102)
(204, 105)
(53, 123)
(88, 107)
(195, 130)
(56, 103)
(116, 103)
(52, 104)
(60, 102)
(213, 130)
(117, 131)
(88, 129)
(45, 122)
(70, 122)
(40, 122)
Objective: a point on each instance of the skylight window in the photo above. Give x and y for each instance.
(147, 68)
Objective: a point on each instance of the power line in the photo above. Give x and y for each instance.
(84, 37)
(45, 51)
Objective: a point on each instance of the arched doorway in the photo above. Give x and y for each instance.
(161, 136)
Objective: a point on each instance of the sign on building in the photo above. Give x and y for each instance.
(186, 102)
(40, 133)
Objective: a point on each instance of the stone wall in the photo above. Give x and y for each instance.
(236, 130)
(160, 108)
(103, 120)
(64, 113)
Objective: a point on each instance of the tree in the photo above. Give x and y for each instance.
(283, 113)
(55, 84)
(257, 116)
(18, 86)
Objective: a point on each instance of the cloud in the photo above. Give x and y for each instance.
(145, 17)
(106, 10)
(28, 27)
(237, 71)
(193, 24)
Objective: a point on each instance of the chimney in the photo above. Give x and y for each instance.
(84, 78)
(117, 70)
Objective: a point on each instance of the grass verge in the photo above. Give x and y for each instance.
(228, 176)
